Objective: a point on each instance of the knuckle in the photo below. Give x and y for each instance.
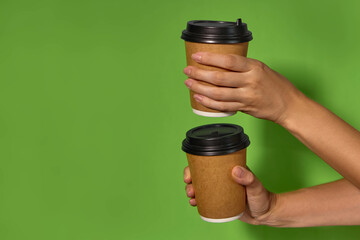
(250, 177)
(223, 107)
(247, 82)
(218, 77)
(260, 66)
(217, 93)
(251, 100)
(195, 73)
(255, 222)
(195, 85)
(205, 57)
(253, 82)
(230, 61)
(248, 97)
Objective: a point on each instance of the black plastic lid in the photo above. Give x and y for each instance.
(215, 139)
(204, 31)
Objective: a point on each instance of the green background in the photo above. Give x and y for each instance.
(93, 110)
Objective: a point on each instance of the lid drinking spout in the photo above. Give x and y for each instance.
(238, 22)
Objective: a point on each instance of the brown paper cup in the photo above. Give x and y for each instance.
(193, 47)
(219, 198)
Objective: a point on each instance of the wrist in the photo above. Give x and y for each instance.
(274, 217)
(297, 105)
(269, 218)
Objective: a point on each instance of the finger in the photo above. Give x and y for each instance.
(192, 202)
(248, 219)
(190, 190)
(226, 79)
(245, 177)
(232, 62)
(187, 176)
(214, 92)
(219, 105)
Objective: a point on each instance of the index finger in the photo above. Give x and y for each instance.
(232, 62)
(187, 176)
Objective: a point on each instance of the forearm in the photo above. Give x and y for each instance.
(335, 203)
(327, 135)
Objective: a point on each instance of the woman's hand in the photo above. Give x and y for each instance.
(250, 86)
(260, 202)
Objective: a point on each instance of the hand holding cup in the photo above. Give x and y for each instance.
(260, 202)
(212, 151)
(250, 86)
(216, 37)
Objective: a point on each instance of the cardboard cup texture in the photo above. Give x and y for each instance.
(193, 47)
(218, 197)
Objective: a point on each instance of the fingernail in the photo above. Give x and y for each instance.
(196, 56)
(238, 172)
(187, 71)
(198, 98)
(188, 192)
(188, 83)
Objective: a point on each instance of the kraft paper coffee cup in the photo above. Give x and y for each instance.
(212, 151)
(216, 37)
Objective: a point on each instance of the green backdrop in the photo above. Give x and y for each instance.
(93, 110)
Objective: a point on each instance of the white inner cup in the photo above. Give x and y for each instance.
(213, 114)
(222, 220)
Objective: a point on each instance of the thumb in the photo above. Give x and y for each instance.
(258, 198)
(245, 177)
